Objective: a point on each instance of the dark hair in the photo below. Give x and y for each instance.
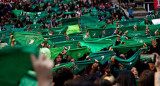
(146, 78)
(63, 74)
(79, 82)
(102, 82)
(126, 78)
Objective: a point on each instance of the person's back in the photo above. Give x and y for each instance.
(126, 78)
(79, 82)
(63, 74)
(102, 82)
(130, 11)
(146, 78)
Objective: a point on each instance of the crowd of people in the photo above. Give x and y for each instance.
(128, 38)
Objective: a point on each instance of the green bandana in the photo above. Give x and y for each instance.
(19, 60)
(94, 44)
(55, 52)
(28, 39)
(78, 52)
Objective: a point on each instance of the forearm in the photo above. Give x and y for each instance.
(44, 82)
(92, 71)
(157, 79)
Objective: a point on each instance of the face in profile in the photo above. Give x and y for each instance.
(135, 72)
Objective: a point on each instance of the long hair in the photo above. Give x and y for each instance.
(126, 78)
(146, 78)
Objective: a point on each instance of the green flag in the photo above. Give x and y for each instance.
(70, 12)
(129, 22)
(73, 29)
(96, 45)
(78, 52)
(133, 34)
(131, 28)
(28, 39)
(138, 40)
(34, 6)
(59, 30)
(70, 21)
(16, 62)
(69, 65)
(6, 33)
(95, 33)
(44, 31)
(55, 52)
(109, 31)
(55, 8)
(5, 40)
(153, 28)
(29, 79)
(88, 19)
(35, 27)
(129, 63)
(75, 37)
(17, 12)
(102, 56)
(133, 44)
(57, 38)
(96, 25)
(110, 26)
(31, 14)
(68, 44)
(8, 27)
(42, 14)
(80, 65)
(67, 1)
(18, 29)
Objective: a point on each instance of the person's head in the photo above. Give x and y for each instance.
(109, 76)
(61, 75)
(109, 21)
(58, 58)
(2, 17)
(114, 11)
(151, 65)
(78, 82)
(126, 78)
(146, 21)
(108, 72)
(135, 72)
(19, 25)
(121, 66)
(72, 60)
(76, 7)
(146, 78)
(79, 9)
(102, 82)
